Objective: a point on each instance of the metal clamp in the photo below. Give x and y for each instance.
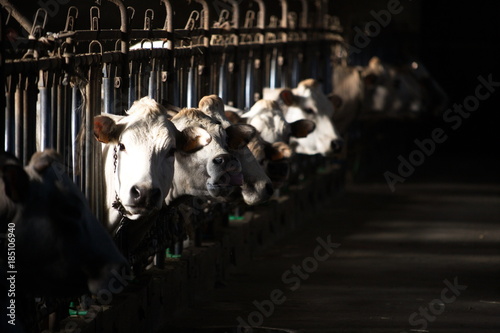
(70, 19)
(95, 16)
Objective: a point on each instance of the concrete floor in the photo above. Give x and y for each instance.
(398, 257)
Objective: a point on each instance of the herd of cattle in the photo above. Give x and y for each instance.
(154, 156)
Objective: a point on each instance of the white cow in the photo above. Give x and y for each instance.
(307, 101)
(348, 85)
(60, 247)
(138, 157)
(212, 171)
(271, 146)
(391, 89)
(257, 187)
(268, 119)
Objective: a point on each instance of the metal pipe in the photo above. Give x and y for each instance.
(30, 95)
(168, 19)
(9, 113)
(124, 27)
(3, 99)
(236, 13)
(261, 17)
(304, 15)
(76, 100)
(23, 21)
(284, 14)
(45, 107)
(18, 120)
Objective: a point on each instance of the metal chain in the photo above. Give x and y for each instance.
(117, 204)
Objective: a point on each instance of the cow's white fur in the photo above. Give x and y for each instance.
(267, 117)
(147, 160)
(349, 86)
(308, 96)
(257, 186)
(196, 174)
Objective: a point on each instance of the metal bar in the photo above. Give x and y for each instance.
(76, 100)
(107, 85)
(3, 99)
(23, 21)
(18, 119)
(45, 114)
(29, 117)
(11, 83)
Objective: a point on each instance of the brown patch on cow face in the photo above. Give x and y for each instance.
(105, 129)
(192, 139)
(287, 96)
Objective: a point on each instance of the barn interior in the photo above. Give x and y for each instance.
(405, 239)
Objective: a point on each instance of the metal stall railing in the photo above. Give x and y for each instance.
(56, 83)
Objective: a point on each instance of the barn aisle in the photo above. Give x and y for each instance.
(425, 258)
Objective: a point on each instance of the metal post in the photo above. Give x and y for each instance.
(44, 85)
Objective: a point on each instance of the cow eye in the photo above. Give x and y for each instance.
(121, 146)
(309, 111)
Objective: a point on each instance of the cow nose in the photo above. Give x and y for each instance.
(228, 162)
(221, 159)
(145, 196)
(337, 145)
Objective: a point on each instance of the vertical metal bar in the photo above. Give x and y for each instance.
(190, 89)
(107, 84)
(54, 128)
(89, 125)
(153, 80)
(132, 88)
(61, 119)
(18, 120)
(3, 96)
(29, 117)
(11, 83)
(45, 107)
(249, 82)
(96, 157)
(76, 100)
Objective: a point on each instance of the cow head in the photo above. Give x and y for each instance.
(211, 171)
(61, 248)
(138, 153)
(257, 186)
(268, 118)
(307, 101)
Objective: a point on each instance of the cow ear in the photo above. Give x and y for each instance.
(239, 135)
(106, 129)
(301, 128)
(16, 182)
(192, 139)
(233, 117)
(336, 100)
(287, 96)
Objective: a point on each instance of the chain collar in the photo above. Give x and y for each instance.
(117, 204)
